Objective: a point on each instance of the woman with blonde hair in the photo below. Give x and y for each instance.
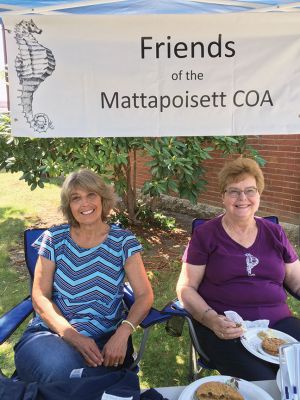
(239, 262)
(78, 289)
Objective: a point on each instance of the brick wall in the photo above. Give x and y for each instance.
(282, 176)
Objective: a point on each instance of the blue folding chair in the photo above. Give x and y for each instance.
(199, 361)
(11, 320)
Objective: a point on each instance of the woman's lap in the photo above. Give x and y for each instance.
(290, 325)
(231, 358)
(43, 356)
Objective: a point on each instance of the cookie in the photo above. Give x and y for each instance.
(217, 391)
(271, 345)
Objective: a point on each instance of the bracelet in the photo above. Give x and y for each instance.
(205, 312)
(125, 321)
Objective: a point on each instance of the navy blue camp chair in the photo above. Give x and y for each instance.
(11, 320)
(199, 361)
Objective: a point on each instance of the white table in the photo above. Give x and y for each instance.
(173, 393)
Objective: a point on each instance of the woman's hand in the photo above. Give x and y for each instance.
(115, 349)
(223, 327)
(86, 346)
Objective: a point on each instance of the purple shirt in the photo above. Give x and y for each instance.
(246, 280)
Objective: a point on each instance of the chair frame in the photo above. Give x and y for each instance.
(11, 320)
(198, 359)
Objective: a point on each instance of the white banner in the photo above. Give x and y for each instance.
(154, 75)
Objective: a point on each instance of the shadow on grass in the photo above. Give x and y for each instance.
(14, 283)
(12, 226)
(11, 241)
(165, 361)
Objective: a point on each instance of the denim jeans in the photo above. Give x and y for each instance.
(43, 356)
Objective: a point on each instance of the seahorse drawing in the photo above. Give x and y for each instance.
(34, 63)
(251, 262)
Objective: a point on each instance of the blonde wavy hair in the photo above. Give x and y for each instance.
(238, 169)
(91, 182)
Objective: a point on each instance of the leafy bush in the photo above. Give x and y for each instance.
(176, 164)
(119, 218)
(147, 216)
(154, 218)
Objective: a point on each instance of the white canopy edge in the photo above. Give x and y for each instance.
(9, 7)
(253, 6)
(281, 7)
(260, 7)
(56, 7)
(233, 3)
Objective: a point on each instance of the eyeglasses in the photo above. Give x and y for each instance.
(235, 193)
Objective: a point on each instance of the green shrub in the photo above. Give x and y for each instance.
(147, 216)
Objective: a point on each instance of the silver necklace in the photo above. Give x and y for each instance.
(231, 229)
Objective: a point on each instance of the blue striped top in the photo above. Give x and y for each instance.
(88, 283)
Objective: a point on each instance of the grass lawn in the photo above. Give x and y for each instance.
(19, 208)
(165, 362)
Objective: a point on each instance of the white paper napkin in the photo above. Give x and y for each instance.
(235, 317)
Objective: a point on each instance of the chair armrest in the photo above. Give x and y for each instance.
(153, 317)
(291, 292)
(11, 320)
(175, 309)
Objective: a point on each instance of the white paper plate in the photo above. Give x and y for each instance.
(247, 389)
(252, 342)
(262, 351)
